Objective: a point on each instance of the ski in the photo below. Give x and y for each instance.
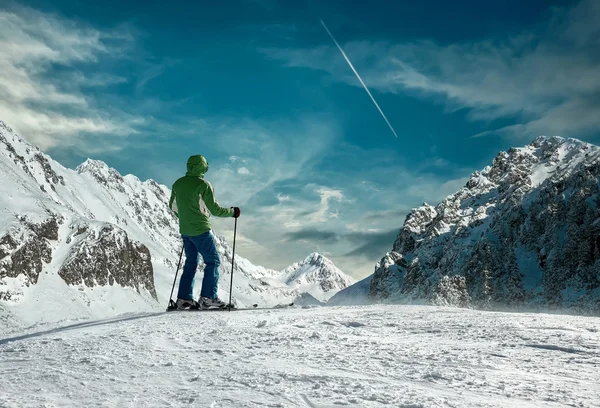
(212, 309)
(173, 308)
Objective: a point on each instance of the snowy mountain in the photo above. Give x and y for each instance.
(93, 243)
(317, 276)
(523, 231)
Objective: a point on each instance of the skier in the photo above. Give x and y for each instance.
(193, 201)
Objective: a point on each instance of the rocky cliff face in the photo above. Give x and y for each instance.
(523, 231)
(25, 250)
(106, 256)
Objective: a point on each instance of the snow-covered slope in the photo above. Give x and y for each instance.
(318, 276)
(93, 243)
(523, 231)
(372, 357)
(356, 294)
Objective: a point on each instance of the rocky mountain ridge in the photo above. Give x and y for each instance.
(524, 231)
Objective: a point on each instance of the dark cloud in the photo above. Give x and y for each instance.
(311, 234)
(386, 215)
(369, 244)
(372, 245)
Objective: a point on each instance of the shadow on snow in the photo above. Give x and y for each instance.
(78, 326)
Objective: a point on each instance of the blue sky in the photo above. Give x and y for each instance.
(259, 88)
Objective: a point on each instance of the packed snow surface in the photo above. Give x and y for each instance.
(361, 356)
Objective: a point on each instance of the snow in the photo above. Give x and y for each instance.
(540, 174)
(52, 300)
(570, 153)
(356, 294)
(367, 356)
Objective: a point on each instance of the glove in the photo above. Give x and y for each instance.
(236, 212)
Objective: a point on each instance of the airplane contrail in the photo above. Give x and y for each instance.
(359, 78)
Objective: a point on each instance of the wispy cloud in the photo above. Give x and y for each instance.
(265, 153)
(47, 104)
(545, 79)
(326, 194)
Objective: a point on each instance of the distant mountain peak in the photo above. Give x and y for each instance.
(317, 259)
(96, 166)
(318, 275)
(314, 259)
(91, 165)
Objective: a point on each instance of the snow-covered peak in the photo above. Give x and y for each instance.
(4, 127)
(91, 165)
(101, 172)
(318, 276)
(316, 259)
(545, 158)
(553, 142)
(13, 143)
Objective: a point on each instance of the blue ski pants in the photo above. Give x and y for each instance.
(205, 246)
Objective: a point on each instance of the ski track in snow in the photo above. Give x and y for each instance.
(367, 356)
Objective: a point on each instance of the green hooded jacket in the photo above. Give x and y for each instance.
(193, 199)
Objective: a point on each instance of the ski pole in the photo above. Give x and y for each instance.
(176, 272)
(232, 263)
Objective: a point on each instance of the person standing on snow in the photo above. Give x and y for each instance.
(193, 201)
